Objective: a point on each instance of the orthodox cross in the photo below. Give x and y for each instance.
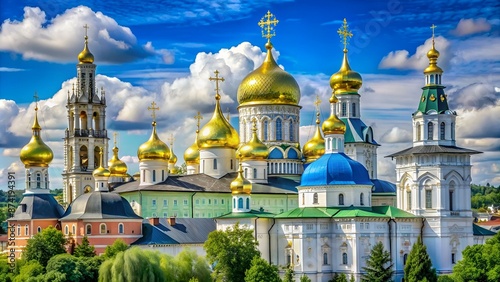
(317, 102)
(198, 117)
(35, 97)
(216, 79)
(86, 29)
(153, 109)
(344, 34)
(171, 139)
(115, 134)
(267, 25)
(433, 27)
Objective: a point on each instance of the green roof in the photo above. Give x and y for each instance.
(480, 231)
(345, 212)
(250, 214)
(433, 98)
(393, 212)
(309, 212)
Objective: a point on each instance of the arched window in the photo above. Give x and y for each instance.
(231, 164)
(430, 130)
(38, 229)
(354, 109)
(120, 228)
(84, 158)
(38, 180)
(452, 190)
(442, 128)
(215, 164)
(46, 181)
(240, 203)
(405, 257)
(361, 199)
(265, 136)
(341, 199)
(66, 230)
(291, 131)
(88, 229)
(419, 132)
(279, 130)
(234, 203)
(344, 258)
(73, 229)
(162, 174)
(325, 258)
(452, 131)
(103, 229)
(428, 199)
(343, 111)
(19, 230)
(248, 203)
(26, 230)
(303, 199)
(246, 172)
(254, 173)
(154, 175)
(315, 198)
(408, 200)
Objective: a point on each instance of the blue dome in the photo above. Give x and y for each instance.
(335, 169)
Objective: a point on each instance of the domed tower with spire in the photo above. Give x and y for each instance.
(172, 160)
(192, 153)
(314, 147)
(117, 167)
(86, 130)
(38, 209)
(241, 189)
(217, 141)
(253, 156)
(271, 96)
(153, 156)
(433, 177)
(359, 142)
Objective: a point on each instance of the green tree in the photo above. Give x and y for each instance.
(112, 250)
(339, 278)
(5, 272)
(479, 262)
(231, 251)
(190, 265)
(67, 267)
(84, 249)
(378, 266)
(445, 278)
(261, 270)
(289, 275)
(30, 271)
(304, 278)
(44, 245)
(418, 266)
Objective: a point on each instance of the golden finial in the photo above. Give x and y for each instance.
(433, 27)
(100, 156)
(86, 27)
(345, 34)
(35, 97)
(216, 79)
(254, 124)
(115, 135)
(317, 102)
(267, 25)
(171, 139)
(153, 109)
(198, 117)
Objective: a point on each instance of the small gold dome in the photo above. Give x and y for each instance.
(173, 157)
(192, 153)
(154, 148)
(333, 125)
(218, 132)
(345, 80)
(116, 166)
(101, 172)
(240, 185)
(36, 152)
(269, 84)
(253, 149)
(85, 57)
(315, 147)
(433, 55)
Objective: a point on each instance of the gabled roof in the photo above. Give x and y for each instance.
(38, 206)
(480, 231)
(356, 131)
(433, 149)
(346, 212)
(185, 231)
(205, 183)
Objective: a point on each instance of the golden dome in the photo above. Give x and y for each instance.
(433, 55)
(240, 185)
(154, 148)
(253, 149)
(36, 152)
(173, 157)
(85, 57)
(192, 153)
(101, 171)
(315, 147)
(116, 166)
(218, 132)
(333, 125)
(269, 84)
(345, 80)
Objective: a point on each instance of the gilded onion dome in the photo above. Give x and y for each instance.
(173, 157)
(154, 148)
(101, 171)
(315, 147)
(253, 149)
(333, 125)
(192, 153)
(218, 132)
(345, 80)
(85, 57)
(116, 166)
(433, 55)
(36, 152)
(240, 185)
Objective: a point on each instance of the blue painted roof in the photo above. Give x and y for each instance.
(335, 169)
(185, 231)
(383, 187)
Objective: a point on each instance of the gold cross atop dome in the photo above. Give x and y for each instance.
(267, 25)
(86, 27)
(198, 117)
(345, 34)
(153, 109)
(317, 102)
(433, 27)
(216, 79)
(35, 97)
(115, 134)
(171, 139)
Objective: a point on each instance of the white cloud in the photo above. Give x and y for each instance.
(6, 69)
(471, 26)
(60, 38)
(396, 135)
(401, 59)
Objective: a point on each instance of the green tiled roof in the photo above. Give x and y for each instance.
(480, 231)
(433, 98)
(345, 212)
(250, 214)
(393, 212)
(309, 212)
(355, 131)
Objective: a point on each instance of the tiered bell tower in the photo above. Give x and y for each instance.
(86, 131)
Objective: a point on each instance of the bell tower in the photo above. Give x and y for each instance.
(86, 132)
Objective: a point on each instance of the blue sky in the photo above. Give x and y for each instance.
(165, 50)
